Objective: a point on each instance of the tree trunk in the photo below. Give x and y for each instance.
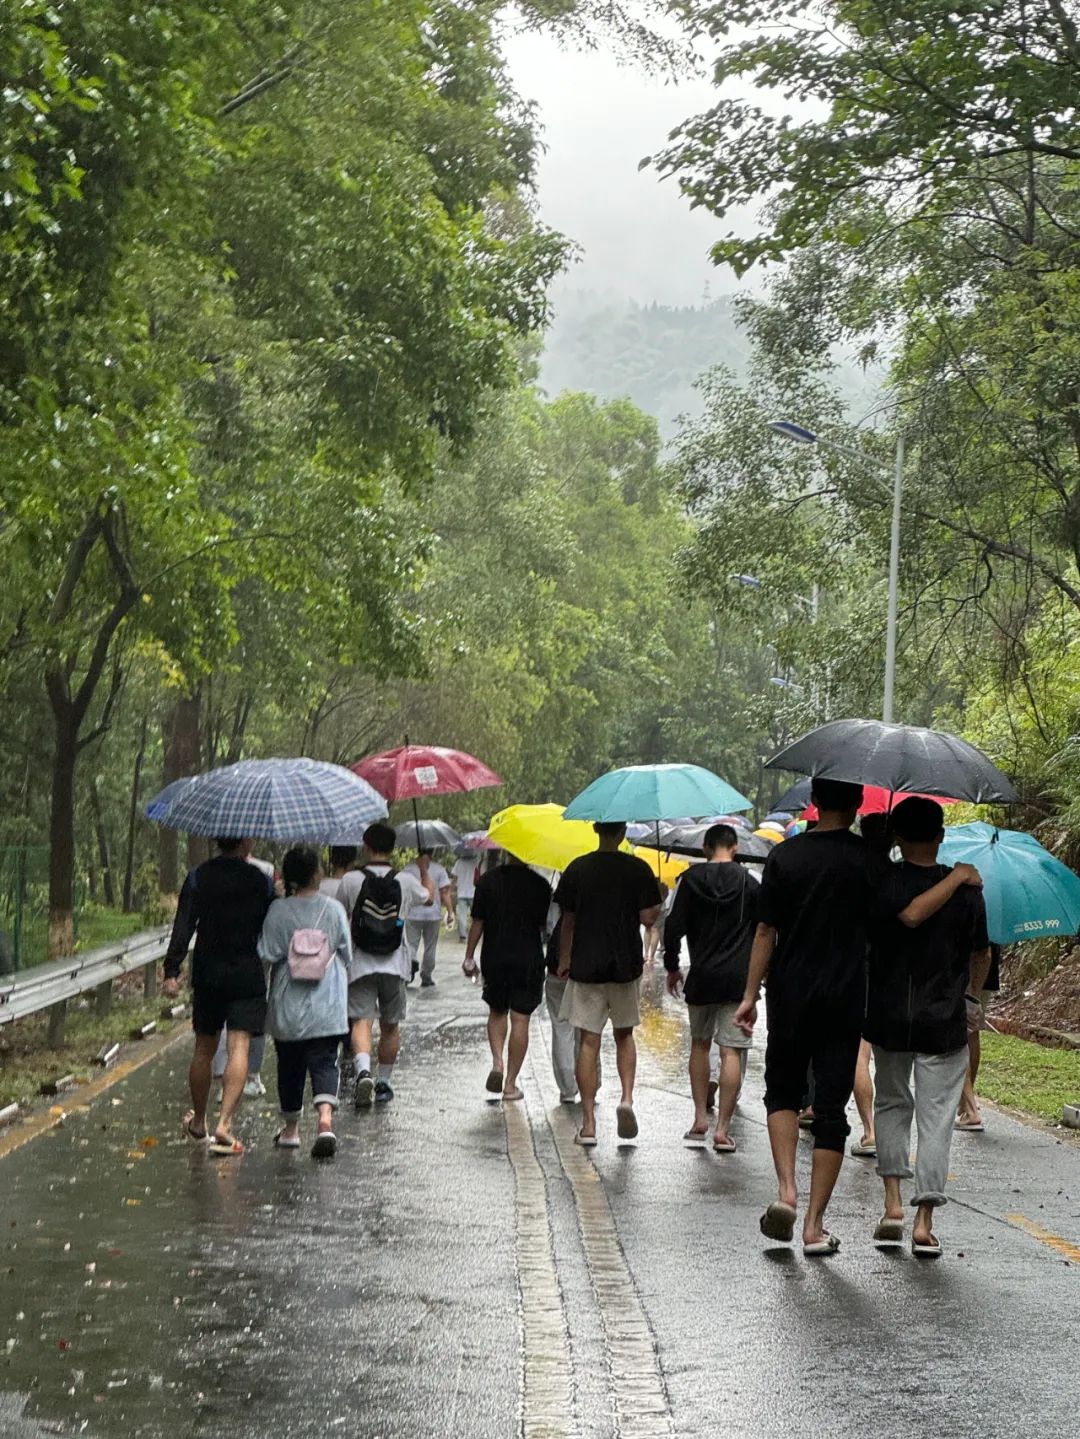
(181, 757)
(62, 841)
(102, 836)
(133, 812)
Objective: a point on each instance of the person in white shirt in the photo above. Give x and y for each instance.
(464, 876)
(423, 922)
(376, 899)
(342, 859)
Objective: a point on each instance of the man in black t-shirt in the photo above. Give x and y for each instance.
(222, 905)
(811, 941)
(509, 912)
(605, 898)
(921, 979)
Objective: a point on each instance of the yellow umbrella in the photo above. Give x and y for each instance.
(538, 834)
(666, 867)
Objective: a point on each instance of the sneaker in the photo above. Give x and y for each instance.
(710, 1100)
(254, 1088)
(365, 1089)
(383, 1093)
(426, 982)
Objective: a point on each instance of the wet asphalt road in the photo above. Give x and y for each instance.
(461, 1272)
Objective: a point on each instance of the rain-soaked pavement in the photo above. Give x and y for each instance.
(458, 1271)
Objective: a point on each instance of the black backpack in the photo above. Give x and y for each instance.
(376, 916)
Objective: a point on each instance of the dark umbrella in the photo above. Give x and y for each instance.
(426, 834)
(902, 758)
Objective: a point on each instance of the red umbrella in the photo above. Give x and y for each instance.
(414, 770)
(875, 801)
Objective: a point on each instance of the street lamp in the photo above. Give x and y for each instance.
(802, 436)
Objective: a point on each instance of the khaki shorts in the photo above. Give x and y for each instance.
(715, 1024)
(590, 1006)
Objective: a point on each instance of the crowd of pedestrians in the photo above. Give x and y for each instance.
(859, 954)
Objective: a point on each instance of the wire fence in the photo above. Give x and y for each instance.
(24, 907)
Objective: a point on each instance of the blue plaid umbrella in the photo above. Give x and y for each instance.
(296, 800)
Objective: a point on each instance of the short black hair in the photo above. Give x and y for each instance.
(836, 795)
(918, 820)
(719, 836)
(299, 867)
(380, 838)
(609, 828)
(342, 855)
(228, 845)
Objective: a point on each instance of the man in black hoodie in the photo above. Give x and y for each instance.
(715, 908)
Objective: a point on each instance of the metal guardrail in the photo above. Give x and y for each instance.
(39, 988)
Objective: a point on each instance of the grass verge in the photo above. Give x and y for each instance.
(1028, 1077)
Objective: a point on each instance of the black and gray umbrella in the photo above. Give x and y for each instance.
(797, 797)
(688, 839)
(903, 758)
(427, 834)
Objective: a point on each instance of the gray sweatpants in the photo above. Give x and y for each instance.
(428, 931)
(565, 1040)
(939, 1078)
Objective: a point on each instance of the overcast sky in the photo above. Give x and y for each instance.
(639, 237)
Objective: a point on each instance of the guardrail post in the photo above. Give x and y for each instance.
(103, 998)
(57, 1017)
(150, 988)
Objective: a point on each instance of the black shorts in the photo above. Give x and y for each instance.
(507, 992)
(832, 1051)
(212, 1010)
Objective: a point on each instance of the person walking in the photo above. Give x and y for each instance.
(509, 912)
(222, 906)
(922, 979)
(305, 941)
(970, 1117)
(605, 899)
(423, 923)
(463, 876)
(565, 1039)
(715, 909)
(377, 899)
(342, 859)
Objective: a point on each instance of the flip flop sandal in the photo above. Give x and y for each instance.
(626, 1121)
(970, 1126)
(226, 1148)
(926, 1251)
(494, 1083)
(723, 1146)
(281, 1143)
(889, 1234)
(696, 1138)
(806, 1121)
(515, 1093)
(822, 1247)
(778, 1222)
(587, 1141)
(189, 1132)
(325, 1146)
(863, 1151)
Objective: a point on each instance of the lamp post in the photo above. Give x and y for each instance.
(802, 436)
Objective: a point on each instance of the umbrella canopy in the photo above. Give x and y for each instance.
(655, 791)
(769, 836)
(538, 834)
(1029, 894)
(426, 834)
(690, 838)
(302, 801)
(875, 799)
(415, 770)
(474, 842)
(902, 758)
(666, 867)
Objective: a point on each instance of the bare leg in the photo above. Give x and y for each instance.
(922, 1231)
(326, 1117)
(894, 1202)
(823, 1176)
(784, 1139)
(234, 1079)
(517, 1049)
(699, 1083)
(969, 1105)
(496, 1033)
(588, 1054)
(864, 1092)
(728, 1092)
(360, 1036)
(626, 1062)
(389, 1042)
(199, 1079)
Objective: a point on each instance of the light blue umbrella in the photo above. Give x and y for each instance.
(1029, 894)
(302, 801)
(656, 791)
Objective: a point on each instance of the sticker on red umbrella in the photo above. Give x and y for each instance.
(427, 776)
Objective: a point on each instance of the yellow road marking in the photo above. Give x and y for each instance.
(546, 1375)
(81, 1097)
(1046, 1236)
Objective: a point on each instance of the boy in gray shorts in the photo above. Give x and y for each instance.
(715, 908)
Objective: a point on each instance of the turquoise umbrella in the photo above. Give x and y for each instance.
(1029, 894)
(656, 791)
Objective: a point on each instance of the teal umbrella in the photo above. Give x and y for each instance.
(656, 791)
(1029, 894)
